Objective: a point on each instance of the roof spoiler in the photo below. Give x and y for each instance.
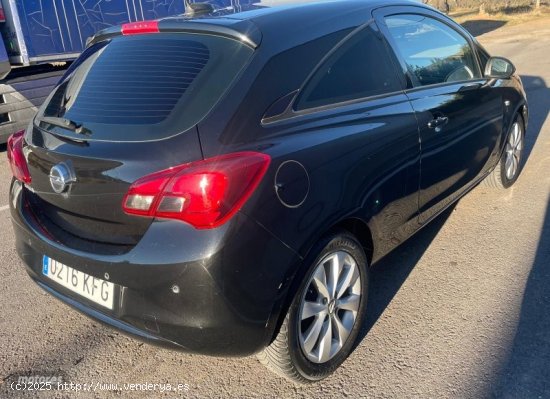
(241, 30)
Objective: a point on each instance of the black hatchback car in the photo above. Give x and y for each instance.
(221, 183)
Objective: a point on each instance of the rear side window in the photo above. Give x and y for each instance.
(145, 87)
(361, 67)
(433, 51)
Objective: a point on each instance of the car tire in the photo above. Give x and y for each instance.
(508, 168)
(334, 312)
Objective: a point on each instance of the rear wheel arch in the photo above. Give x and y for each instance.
(285, 353)
(355, 226)
(361, 231)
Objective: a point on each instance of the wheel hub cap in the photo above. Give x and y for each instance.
(329, 307)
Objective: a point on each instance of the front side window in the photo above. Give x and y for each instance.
(434, 52)
(359, 68)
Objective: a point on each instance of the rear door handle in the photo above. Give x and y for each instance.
(438, 122)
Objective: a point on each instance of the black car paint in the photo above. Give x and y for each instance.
(218, 304)
(115, 166)
(468, 144)
(364, 163)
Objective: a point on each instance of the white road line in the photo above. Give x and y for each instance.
(4, 208)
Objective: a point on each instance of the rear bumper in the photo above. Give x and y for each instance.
(116, 323)
(231, 281)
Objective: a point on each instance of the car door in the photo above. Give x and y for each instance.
(459, 116)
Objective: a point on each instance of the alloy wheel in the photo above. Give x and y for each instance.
(329, 306)
(514, 147)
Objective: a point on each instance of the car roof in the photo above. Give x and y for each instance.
(266, 10)
(283, 24)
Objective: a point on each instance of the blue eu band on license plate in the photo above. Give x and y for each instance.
(45, 265)
(85, 285)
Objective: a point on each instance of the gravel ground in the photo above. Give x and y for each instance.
(460, 310)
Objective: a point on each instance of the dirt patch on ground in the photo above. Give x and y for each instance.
(479, 24)
(507, 28)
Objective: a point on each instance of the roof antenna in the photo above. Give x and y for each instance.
(195, 9)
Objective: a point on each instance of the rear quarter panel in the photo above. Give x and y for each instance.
(362, 162)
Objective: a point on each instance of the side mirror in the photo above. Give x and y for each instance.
(499, 68)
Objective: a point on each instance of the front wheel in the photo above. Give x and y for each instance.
(507, 170)
(322, 323)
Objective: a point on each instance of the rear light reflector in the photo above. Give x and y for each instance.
(204, 194)
(16, 158)
(139, 28)
(140, 202)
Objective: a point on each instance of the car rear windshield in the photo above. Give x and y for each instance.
(144, 87)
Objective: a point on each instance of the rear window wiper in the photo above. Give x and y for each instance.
(66, 124)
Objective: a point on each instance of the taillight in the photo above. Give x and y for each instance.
(17, 160)
(139, 28)
(204, 194)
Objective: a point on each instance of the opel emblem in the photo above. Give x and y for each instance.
(61, 177)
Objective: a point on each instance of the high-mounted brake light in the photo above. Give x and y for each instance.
(139, 28)
(16, 158)
(204, 194)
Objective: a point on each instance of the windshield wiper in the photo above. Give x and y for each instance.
(66, 124)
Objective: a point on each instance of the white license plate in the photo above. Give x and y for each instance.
(90, 287)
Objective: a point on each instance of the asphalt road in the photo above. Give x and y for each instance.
(460, 310)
